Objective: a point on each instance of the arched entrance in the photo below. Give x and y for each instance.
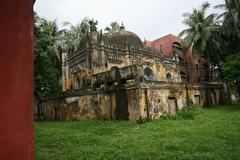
(121, 112)
(172, 105)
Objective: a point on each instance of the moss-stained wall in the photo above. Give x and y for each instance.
(130, 104)
(161, 102)
(122, 104)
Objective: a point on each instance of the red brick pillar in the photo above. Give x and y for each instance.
(16, 80)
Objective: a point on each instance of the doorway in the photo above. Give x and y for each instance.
(121, 105)
(172, 105)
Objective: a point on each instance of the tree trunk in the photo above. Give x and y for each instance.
(38, 111)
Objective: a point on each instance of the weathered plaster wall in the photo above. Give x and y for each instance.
(161, 102)
(122, 104)
(139, 103)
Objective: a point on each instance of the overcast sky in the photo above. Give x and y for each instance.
(149, 19)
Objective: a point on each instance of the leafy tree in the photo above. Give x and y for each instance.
(230, 33)
(47, 59)
(230, 68)
(202, 33)
(112, 28)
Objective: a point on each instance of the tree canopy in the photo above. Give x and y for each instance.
(216, 36)
(112, 28)
(47, 58)
(231, 68)
(74, 34)
(201, 34)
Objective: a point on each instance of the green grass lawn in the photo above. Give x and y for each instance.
(212, 134)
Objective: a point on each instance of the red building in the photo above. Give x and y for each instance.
(193, 69)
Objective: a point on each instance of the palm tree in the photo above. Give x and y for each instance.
(50, 34)
(113, 27)
(230, 27)
(230, 18)
(74, 34)
(201, 33)
(48, 39)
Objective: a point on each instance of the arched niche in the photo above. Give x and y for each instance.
(169, 77)
(148, 73)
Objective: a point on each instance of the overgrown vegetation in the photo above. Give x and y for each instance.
(189, 112)
(231, 68)
(212, 134)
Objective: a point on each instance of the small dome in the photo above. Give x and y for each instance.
(124, 37)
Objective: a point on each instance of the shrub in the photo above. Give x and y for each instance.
(189, 112)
